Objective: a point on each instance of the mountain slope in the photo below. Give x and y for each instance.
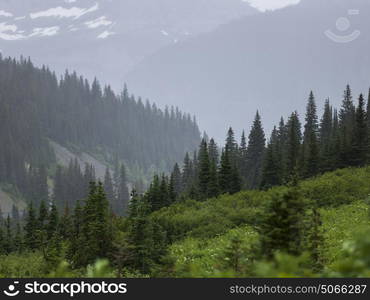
(201, 246)
(115, 34)
(38, 111)
(268, 61)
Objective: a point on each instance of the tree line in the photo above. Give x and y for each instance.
(339, 139)
(37, 107)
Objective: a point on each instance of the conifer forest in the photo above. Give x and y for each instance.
(97, 181)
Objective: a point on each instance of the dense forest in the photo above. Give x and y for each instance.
(339, 139)
(37, 108)
(298, 206)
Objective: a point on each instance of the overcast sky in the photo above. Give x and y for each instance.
(270, 4)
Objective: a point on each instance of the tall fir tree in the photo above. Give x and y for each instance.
(326, 132)
(282, 229)
(360, 141)
(255, 154)
(109, 188)
(293, 145)
(123, 196)
(310, 147)
(204, 171)
(270, 170)
(347, 115)
(31, 228)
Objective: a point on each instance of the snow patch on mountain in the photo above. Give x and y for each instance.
(19, 18)
(45, 31)
(164, 32)
(4, 13)
(62, 12)
(10, 32)
(105, 34)
(102, 21)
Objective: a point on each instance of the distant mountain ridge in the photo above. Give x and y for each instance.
(115, 34)
(268, 62)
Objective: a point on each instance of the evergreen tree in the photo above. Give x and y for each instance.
(154, 196)
(213, 152)
(326, 135)
(204, 171)
(123, 196)
(243, 157)
(66, 225)
(31, 228)
(232, 147)
(282, 227)
(360, 147)
(255, 154)
(176, 179)
(43, 215)
(226, 172)
(53, 222)
(346, 126)
(108, 187)
(293, 144)
(271, 166)
(15, 213)
(18, 239)
(310, 146)
(8, 243)
(315, 240)
(95, 237)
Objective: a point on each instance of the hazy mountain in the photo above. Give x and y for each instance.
(106, 37)
(267, 61)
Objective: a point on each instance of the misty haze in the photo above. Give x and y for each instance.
(184, 139)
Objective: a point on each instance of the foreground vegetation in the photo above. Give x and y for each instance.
(223, 236)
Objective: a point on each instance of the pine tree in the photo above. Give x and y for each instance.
(43, 215)
(123, 196)
(95, 237)
(281, 150)
(310, 146)
(213, 185)
(18, 239)
(282, 227)
(255, 154)
(232, 147)
(271, 165)
(59, 190)
(53, 222)
(154, 194)
(176, 179)
(315, 240)
(225, 172)
(326, 133)
(66, 225)
(213, 152)
(204, 171)
(31, 228)
(109, 189)
(346, 126)
(360, 146)
(43, 193)
(9, 243)
(293, 143)
(15, 213)
(243, 153)
(187, 174)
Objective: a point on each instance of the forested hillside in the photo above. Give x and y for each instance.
(319, 227)
(296, 207)
(37, 108)
(295, 150)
